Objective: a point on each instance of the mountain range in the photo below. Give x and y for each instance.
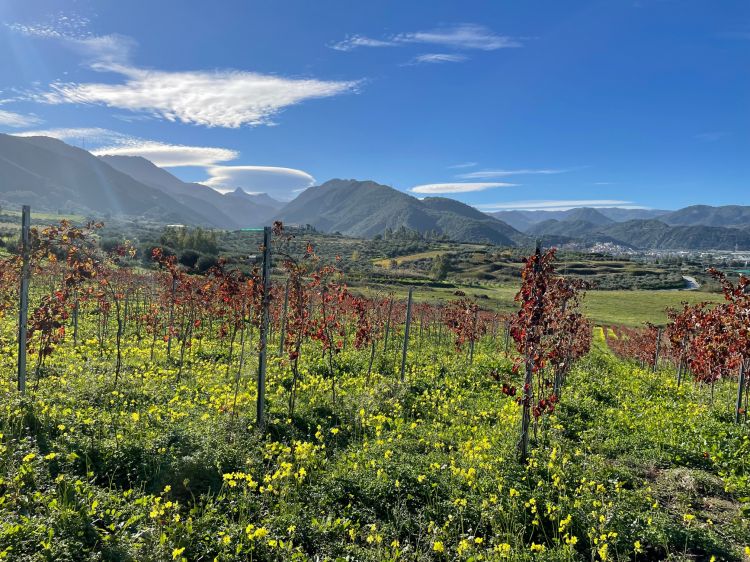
(53, 176)
(523, 220)
(642, 234)
(235, 209)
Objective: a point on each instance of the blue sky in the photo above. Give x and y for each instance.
(504, 104)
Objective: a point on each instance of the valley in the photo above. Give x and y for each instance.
(293, 281)
(62, 179)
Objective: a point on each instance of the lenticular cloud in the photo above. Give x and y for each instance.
(212, 99)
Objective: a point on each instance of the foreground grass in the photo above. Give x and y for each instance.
(628, 468)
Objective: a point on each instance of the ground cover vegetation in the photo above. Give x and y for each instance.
(393, 430)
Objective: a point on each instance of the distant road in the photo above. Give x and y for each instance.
(690, 283)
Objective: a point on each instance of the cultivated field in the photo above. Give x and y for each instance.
(138, 436)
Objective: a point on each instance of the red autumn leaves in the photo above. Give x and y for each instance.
(549, 330)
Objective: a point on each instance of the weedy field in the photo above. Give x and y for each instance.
(391, 431)
(163, 467)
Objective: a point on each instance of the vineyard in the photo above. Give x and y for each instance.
(152, 414)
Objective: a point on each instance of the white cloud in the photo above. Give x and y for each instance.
(741, 35)
(92, 135)
(71, 32)
(212, 99)
(354, 41)
(11, 119)
(557, 205)
(437, 58)
(55, 29)
(711, 136)
(170, 155)
(486, 174)
(228, 98)
(435, 188)
(106, 50)
(462, 165)
(104, 141)
(281, 183)
(464, 36)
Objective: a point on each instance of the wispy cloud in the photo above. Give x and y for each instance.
(226, 98)
(354, 41)
(462, 165)
(71, 32)
(212, 99)
(104, 141)
(281, 183)
(487, 174)
(95, 136)
(437, 58)
(439, 188)
(465, 36)
(711, 136)
(11, 119)
(557, 205)
(737, 34)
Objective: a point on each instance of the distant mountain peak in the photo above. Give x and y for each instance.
(588, 214)
(367, 208)
(344, 183)
(240, 210)
(725, 215)
(257, 198)
(239, 192)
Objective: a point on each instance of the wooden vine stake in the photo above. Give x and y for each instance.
(656, 353)
(171, 317)
(23, 312)
(282, 327)
(528, 384)
(473, 336)
(740, 388)
(388, 325)
(266, 280)
(406, 333)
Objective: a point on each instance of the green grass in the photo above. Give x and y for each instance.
(12, 216)
(163, 467)
(629, 308)
(405, 259)
(453, 249)
(633, 308)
